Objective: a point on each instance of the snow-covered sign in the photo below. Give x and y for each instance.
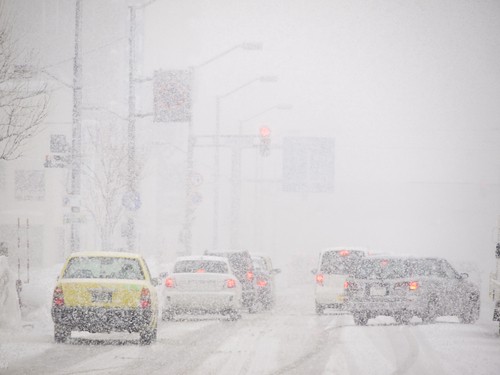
(131, 200)
(308, 164)
(172, 95)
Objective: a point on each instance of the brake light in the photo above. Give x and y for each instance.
(169, 282)
(231, 283)
(344, 253)
(349, 285)
(250, 275)
(319, 279)
(261, 283)
(201, 270)
(145, 298)
(58, 297)
(413, 285)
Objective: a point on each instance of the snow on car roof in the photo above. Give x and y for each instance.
(340, 248)
(202, 257)
(113, 254)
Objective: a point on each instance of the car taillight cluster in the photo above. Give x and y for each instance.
(410, 285)
(250, 275)
(413, 285)
(230, 283)
(261, 283)
(145, 298)
(58, 297)
(319, 279)
(349, 285)
(169, 282)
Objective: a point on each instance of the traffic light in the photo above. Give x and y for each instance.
(265, 141)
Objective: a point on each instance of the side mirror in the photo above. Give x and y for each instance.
(314, 271)
(275, 271)
(464, 276)
(163, 275)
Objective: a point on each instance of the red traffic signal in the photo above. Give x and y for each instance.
(265, 132)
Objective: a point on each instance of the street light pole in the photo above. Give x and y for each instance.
(76, 149)
(263, 79)
(189, 206)
(131, 128)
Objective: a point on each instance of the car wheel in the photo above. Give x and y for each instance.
(360, 319)
(167, 315)
(61, 333)
(471, 313)
(402, 318)
(431, 312)
(320, 309)
(234, 315)
(148, 336)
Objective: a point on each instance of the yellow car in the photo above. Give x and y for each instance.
(104, 292)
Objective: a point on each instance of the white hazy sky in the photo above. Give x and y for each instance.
(408, 89)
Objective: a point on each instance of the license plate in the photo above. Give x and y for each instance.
(378, 291)
(102, 296)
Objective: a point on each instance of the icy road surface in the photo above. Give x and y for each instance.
(289, 340)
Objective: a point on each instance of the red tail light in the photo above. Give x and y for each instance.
(413, 285)
(201, 270)
(344, 253)
(250, 275)
(145, 298)
(319, 279)
(349, 285)
(230, 283)
(169, 282)
(58, 297)
(261, 283)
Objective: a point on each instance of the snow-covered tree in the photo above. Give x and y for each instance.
(106, 175)
(23, 100)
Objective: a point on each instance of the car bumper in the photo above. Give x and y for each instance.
(201, 301)
(329, 296)
(96, 319)
(387, 307)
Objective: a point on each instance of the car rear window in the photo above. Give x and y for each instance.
(431, 267)
(103, 268)
(193, 266)
(241, 262)
(383, 269)
(340, 262)
(259, 264)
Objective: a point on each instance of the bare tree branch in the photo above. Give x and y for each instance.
(23, 101)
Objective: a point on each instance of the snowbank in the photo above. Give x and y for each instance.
(10, 312)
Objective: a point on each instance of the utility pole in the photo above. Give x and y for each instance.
(131, 129)
(76, 149)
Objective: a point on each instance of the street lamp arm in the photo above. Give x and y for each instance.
(238, 88)
(245, 46)
(222, 54)
(259, 114)
(145, 5)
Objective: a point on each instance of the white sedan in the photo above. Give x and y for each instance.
(201, 285)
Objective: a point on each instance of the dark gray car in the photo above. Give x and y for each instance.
(407, 287)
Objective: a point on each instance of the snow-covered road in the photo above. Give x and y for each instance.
(289, 340)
